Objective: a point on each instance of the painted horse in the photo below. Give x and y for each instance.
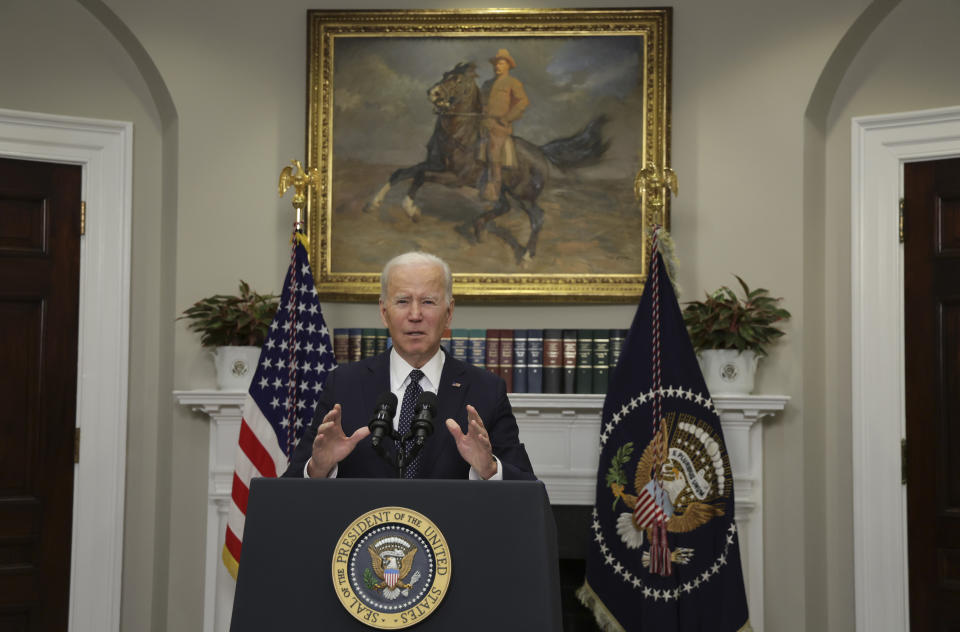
(452, 160)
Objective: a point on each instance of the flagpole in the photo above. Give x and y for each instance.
(302, 181)
(293, 368)
(665, 554)
(654, 186)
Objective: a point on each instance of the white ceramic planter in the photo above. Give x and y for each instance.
(728, 371)
(235, 367)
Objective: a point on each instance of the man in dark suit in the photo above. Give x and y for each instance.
(479, 437)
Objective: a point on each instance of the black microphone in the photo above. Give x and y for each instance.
(382, 422)
(423, 413)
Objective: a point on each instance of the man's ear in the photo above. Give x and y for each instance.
(450, 312)
(383, 314)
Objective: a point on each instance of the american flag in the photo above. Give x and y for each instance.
(294, 363)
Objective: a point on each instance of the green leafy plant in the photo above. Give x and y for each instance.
(240, 319)
(726, 321)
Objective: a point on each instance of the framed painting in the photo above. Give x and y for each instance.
(504, 141)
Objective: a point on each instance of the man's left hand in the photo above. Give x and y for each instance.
(474, 446)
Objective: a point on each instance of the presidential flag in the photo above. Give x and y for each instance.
(294, 363)
(664, 554)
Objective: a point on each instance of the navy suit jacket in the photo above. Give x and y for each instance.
(357, 386)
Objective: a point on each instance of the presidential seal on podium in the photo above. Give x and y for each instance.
(391, 568)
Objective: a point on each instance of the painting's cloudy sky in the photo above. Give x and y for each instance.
(382, 114)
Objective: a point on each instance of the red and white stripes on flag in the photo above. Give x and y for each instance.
(647, 511)
(258, 454)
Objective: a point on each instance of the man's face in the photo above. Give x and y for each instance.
(502, 67)
(415, 311)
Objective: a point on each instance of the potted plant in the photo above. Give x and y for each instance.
(730, 335)
(234, 327)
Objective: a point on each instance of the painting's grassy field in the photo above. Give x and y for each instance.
(590, 227)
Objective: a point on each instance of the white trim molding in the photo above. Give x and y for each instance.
(562, 437)
(225, 410)
(880, 147)
(104, 149)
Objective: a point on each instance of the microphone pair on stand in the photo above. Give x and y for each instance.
(421, 427)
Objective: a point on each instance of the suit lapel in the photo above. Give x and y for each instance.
(452, 389)
(451, 392)
(378, 382)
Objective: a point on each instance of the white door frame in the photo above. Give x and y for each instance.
(881, 146)
(104, 149)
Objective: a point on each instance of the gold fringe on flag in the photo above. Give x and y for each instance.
(230, 563)
(605, 620)
(668, 252)
(303, 239)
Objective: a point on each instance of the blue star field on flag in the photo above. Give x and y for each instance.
(296, 357)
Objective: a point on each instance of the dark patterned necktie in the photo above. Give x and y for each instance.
(406, 417)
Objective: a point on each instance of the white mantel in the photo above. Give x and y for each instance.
(561, 434)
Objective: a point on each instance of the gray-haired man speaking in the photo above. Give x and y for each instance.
(476, 434)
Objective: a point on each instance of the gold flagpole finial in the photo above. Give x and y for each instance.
(654, 185)
(300, 180)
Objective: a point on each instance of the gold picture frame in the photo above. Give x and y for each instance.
(403, 94)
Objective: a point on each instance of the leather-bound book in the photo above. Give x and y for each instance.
(368, 343)
(477, 348)
(382, 340)
(506, 357)
(601, 361)
(356, 342)
(519, 360)
(341, 345)
(584, 361)
(569, 337)
(458, 344)
(493, 351)
(534, 360)
(552, 361)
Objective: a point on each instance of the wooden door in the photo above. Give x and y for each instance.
(39, 307)
(932, 370)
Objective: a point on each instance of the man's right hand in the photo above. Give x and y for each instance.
(331, 445)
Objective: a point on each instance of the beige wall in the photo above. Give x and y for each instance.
(909, 63)
(216, 93)
(55, 57)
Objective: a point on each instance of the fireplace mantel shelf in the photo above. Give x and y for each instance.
(561, 435)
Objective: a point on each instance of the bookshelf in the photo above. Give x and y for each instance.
(529, 360)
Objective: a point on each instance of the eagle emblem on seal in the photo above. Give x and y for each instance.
(690, 487)
(392, 559)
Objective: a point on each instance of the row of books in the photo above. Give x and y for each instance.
(528, 360)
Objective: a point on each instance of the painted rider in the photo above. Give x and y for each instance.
(504, 103)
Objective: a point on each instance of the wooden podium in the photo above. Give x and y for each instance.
(501, 538)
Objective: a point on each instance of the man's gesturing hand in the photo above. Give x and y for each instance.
(474, 446)
(331, 445)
